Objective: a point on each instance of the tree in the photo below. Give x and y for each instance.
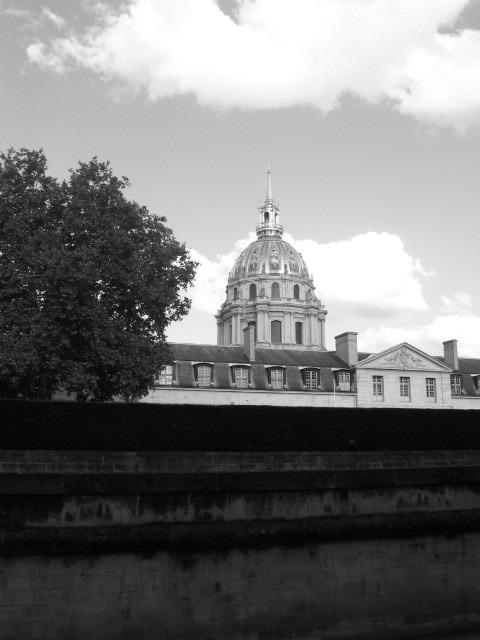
(89, 283)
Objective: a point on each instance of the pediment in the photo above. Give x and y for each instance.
(404, 357)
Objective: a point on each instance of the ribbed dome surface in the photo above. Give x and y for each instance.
(269, 255)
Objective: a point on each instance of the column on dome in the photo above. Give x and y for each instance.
(321, 319)
(220, 332)
(261, 314)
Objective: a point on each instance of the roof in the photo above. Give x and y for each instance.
(282, 357)
(465, 365)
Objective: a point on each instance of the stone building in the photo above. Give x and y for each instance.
(271, 346)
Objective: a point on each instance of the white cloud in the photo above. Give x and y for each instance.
(281, 53)
(53, 17)
(460, 302)
(429, 337)
(370, 275)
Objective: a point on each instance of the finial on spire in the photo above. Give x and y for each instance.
(269, 182)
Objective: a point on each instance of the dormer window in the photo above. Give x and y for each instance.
(456, 384)
(203, 374)
(165, 377)
(310, 379)
(241, 377)
(343, 380)
(276, 377)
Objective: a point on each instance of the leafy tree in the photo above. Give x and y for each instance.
(89, 283)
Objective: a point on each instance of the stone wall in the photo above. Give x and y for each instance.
(408, 587)
(239, 545)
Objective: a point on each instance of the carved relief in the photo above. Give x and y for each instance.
(403, 359)
(293, 263)
(274, 261)
(253, 260)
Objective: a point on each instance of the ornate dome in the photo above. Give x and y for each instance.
(269, 255)
(270, 288)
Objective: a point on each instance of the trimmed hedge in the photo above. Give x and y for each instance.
(149, 427)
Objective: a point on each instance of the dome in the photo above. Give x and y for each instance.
(269, 255)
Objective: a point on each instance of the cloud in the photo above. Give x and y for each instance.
(429, 337)
(282, 53)
(53, 17)
(370, 275)
(460, 302)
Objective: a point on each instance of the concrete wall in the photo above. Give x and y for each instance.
(173, 395)
(257, 546)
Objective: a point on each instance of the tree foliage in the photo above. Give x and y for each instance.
(89, 283)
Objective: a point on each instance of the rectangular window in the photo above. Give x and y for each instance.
(204, 375)
(276, 378)
(165, 377)
(276, 330)
(299, 332)
(240, 377)
(311, 379)
(344, 380)
(404, 389)
(377, 388)
(430, 390)
(456, 385)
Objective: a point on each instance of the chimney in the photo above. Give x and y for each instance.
(450, 354)
(249, 341)
(346, 347)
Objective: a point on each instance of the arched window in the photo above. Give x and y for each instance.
(276, 331)
(275, 290)
(266, 217)
(299, 332)
(296, 292)
(253, 292)
(235, 293)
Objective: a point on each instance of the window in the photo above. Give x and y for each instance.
(377, 388)
(276, 330)
(253, 292)
(203, 374)
(165, 377)
(343, 380)
(299, 332)
(240, 377)
(404, 389)
(235, 293)
(296, 292)
(430, 390)
(456, 385)
(310, 379)
(275, 290)
(276, 378)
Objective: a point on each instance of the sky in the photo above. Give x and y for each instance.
(369, 112)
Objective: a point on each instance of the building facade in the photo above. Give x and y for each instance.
(271, 346)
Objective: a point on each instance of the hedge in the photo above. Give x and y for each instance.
(153, 427)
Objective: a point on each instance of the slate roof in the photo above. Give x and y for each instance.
(281, 357)
(465, 365)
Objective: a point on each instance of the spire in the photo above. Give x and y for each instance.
(269, 183)
(269, 212)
